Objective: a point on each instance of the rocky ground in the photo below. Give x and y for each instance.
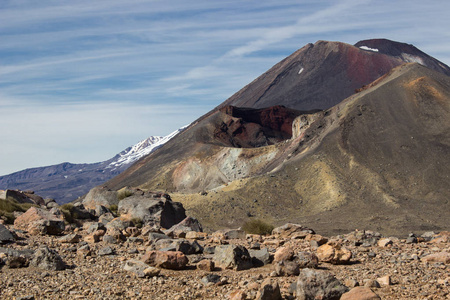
(94, 266)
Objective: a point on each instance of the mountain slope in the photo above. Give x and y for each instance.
(379, 160)
(320, 75)
(66, 182)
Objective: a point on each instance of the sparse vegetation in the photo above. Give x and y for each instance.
(67, 212)
(257, 226)
(114, 209)
(8, 207)
(137, 222)
(124, 193)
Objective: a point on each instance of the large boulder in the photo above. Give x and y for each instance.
(47, 259)
(39, 221)
(270, 290)
(232, 257)
(100, 196)
(318, 284)
(157, 209)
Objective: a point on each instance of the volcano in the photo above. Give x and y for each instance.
(334, 136)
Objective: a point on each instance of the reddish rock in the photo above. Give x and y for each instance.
(238, 295)
(360, 293)
(39, 221)
(283, 253)
(270, 290)
(206, 265)
(174, 260)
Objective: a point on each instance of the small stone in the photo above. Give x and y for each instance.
(370, 283)
(360, 293)
(384, 242)
(206, 265)
(385, 280)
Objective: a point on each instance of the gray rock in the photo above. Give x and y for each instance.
(100, 196)
(117, 223)
(101, 210)
(109, 239)
(210, 278)
(260, 257)
(47, 259)
(186, 225)
(160, 211)
(5, 235)
(96, 226)
(13, 252)
(232, 257)
(154, 236)
(318, 284)
(106, 218)
(106, 251)
(307, 260)
(287, 268)
(187, 247)
(135, 266)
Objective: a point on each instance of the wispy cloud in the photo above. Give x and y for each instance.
(101, 69)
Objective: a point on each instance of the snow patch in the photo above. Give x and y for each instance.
(65, 176)
(368, 49)
(412, 58)
(301, 70)
(142, 149)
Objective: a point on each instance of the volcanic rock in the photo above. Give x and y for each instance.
(39, 221)
(232, 257)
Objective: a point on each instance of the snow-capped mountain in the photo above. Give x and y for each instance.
(141, 149)
(66, 181)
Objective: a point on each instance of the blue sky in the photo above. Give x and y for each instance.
(82, 80)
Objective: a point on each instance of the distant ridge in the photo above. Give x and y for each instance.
(66, 181)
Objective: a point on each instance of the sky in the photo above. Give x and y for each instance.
(82, 80)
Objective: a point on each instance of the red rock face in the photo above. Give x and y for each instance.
(246, 127)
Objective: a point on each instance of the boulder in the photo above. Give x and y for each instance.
(360, 293)
(47, 259)
(152, 211)
(39, 221)
(5, 235)
(287, 268)
(289, 230)
(180, 230)
(334, 253)
(232, 257)
(269, 290)
(174, 260)
(307, 259)
(318, 284)
(100, 196)
(260, 257)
